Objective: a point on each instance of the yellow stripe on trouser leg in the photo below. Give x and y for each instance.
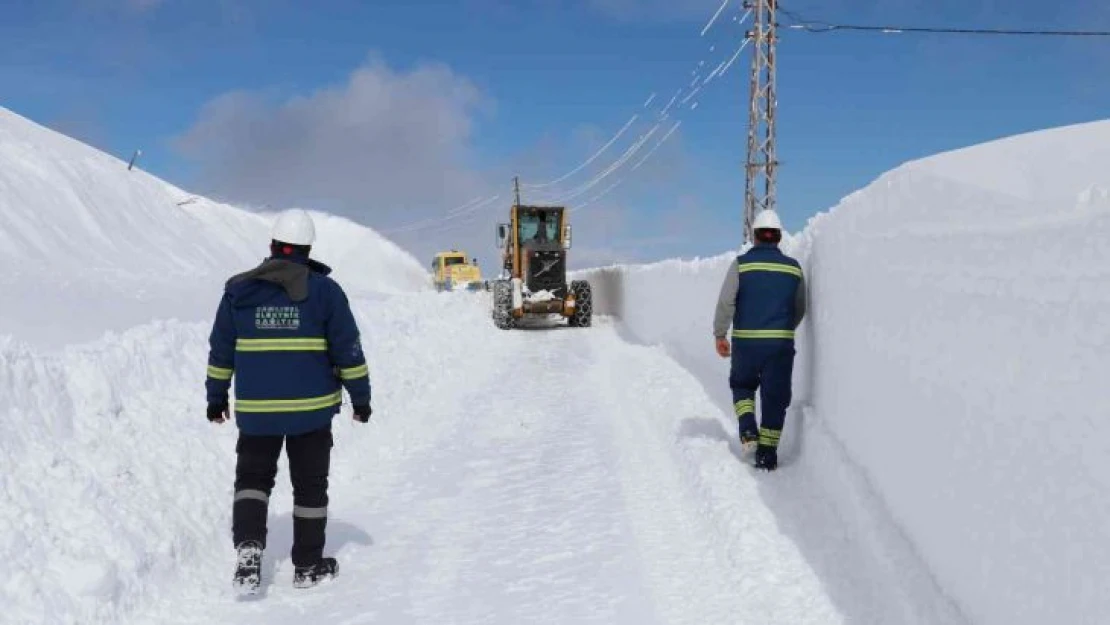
(744, 406)
(307, 404)
(769, 438)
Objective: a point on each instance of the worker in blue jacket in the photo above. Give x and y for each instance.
(285, 332)
(764, 299)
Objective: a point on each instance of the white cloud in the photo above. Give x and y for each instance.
(390, 148)
(384, 147)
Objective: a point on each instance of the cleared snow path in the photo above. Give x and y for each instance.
(540, 477)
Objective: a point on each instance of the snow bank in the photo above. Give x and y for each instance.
(665, 303)
(105, 464)
(115, 486)
(954, 352)
(88, 245)
(110, 476)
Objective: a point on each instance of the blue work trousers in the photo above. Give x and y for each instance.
(766, 365)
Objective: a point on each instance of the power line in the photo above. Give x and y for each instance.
(567, 196)
(817, 26)
(560, 195)
(458, 212)
(616, 184)
(713, 19)
(554, 190)
(542, 185)
(894, 30)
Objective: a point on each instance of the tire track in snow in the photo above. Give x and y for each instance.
(513, 525)
(718, 556)
(547, 481)
(416, 407)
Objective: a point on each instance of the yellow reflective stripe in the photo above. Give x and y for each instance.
(762, 334)
(352, 373)
(288, 405)
(769, 438)
(777, 267)
(282, 345)
(219, 373)
(745, 406)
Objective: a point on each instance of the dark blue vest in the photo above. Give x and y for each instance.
(765, 301)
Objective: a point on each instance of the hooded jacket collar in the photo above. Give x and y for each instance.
(289, 273)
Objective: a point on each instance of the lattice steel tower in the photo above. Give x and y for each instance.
(760, 189)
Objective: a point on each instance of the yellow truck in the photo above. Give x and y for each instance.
(452, 272)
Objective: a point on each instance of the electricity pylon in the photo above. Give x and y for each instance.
(760, 189)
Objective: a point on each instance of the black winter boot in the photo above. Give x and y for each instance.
(766, 458)
(309, 576)
(248, 567)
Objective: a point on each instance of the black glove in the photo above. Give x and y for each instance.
(362, 412)
(217, 413)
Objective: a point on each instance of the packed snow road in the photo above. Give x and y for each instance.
(533, 476)
(539, 476)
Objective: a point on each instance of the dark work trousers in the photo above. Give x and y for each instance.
(767, 365)
(309, 458)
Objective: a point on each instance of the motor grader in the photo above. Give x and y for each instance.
(533, 282)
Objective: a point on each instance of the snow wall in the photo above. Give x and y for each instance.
(107, 464)
(88, 245)
(956, 352)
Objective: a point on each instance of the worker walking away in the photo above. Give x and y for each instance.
(284, 331)
(763, 298)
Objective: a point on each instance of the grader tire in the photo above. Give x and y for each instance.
(583, 305)
(503, 305)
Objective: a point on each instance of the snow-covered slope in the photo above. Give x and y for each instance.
(499, 497)
(1051, 167)
(951, 369)
(945, 462)
(507, 477)
(481, 492)
(88, 245)
(106, 461)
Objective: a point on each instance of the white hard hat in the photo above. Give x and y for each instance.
(767, 219)
(294, 226)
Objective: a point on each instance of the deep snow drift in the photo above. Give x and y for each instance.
(500, 497)
(945, 461)
(107, 467)
(950, 372)
(571, 494)
(512, 477)
(88, 245)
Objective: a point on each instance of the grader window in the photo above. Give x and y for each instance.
(454, 260)
(539, 227)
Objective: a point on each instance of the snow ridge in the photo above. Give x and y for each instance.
(949, 367)
(88, 245)
(945, 460)
(98, 510)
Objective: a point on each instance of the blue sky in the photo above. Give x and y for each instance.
(395, 111)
